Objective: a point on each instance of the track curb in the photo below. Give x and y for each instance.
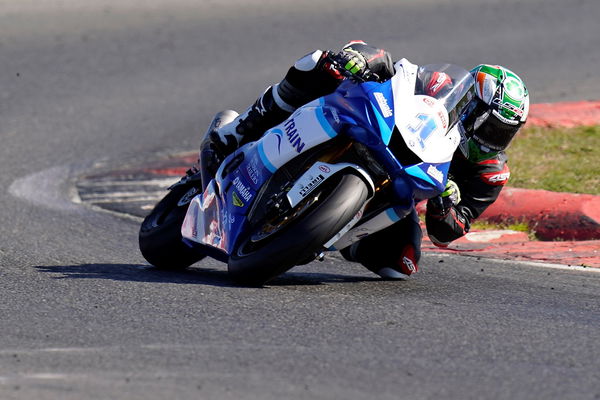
(552, 215)
(567, 115)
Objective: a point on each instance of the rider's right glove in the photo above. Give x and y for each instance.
(353, 64)
(439, 206)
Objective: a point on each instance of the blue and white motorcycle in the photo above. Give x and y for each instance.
(338, 169)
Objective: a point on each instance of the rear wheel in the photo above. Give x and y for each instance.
(276, 245)
(160, 237)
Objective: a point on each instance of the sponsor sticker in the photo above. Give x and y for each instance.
(429, 101)
(386, 111)
(336, 116)
(293, 136)
(325, 168)
(409, 264)
(242, 189)
(496, 178)
(435, 173)
(509, 106)
(236, 200)
(311, 185)
(252, 170)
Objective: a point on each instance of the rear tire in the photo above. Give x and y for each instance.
(160, 237)
(300, 238)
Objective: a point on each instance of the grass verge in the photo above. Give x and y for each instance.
(560, 160)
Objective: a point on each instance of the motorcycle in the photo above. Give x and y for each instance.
(339, 168)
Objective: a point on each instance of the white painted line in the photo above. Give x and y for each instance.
(125, 196)
(544, 264)
(165, 182)
(154, 200)
(541, 264)
(116, 213)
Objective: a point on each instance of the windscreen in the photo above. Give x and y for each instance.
(452, 85)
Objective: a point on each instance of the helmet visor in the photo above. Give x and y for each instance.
(495, 134)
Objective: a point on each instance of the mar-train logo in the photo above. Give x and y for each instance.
(293, 136)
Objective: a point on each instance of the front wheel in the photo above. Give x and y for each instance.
(262, 256)
(160, 237)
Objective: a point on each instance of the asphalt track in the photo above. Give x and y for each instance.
(90, 86)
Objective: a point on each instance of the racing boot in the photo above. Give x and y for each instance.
(250, 125)
(392, 253)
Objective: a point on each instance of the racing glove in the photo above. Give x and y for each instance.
(362, 62)
(353, 65)
(440, 206)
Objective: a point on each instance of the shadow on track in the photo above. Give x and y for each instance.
(139, 273)
(203, 276)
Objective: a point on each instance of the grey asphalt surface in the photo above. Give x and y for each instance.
(90, 86)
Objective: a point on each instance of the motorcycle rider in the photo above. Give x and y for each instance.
(478, 170)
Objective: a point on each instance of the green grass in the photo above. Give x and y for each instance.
(560, 160)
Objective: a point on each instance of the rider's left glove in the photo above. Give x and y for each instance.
(441, 205)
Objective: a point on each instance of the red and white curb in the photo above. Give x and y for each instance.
(568, 115)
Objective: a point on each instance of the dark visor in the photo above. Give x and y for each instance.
(494, 133)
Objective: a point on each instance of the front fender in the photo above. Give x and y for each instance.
(318, 174)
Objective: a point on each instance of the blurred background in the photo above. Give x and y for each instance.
(148, 70)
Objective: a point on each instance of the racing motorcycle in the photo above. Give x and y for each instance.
(339, 168)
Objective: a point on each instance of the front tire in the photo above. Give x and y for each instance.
(254, 264)
(160, 237)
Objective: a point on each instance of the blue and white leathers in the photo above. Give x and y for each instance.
(388, 121)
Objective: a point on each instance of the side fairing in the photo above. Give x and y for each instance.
(217, 217)
(304, 129)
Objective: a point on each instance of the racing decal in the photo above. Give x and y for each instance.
(496, 178)
(236, 200)
(386, 111)
(252, 171)
(311, 185)
(306, 128)
(510, 107)
(204, 222)
(424, 125)
(439, 81)
(315, 176)
(407, 262)
(293, 135)
(486, 86)
(435, 173)
(431, 174)
(242, 189)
